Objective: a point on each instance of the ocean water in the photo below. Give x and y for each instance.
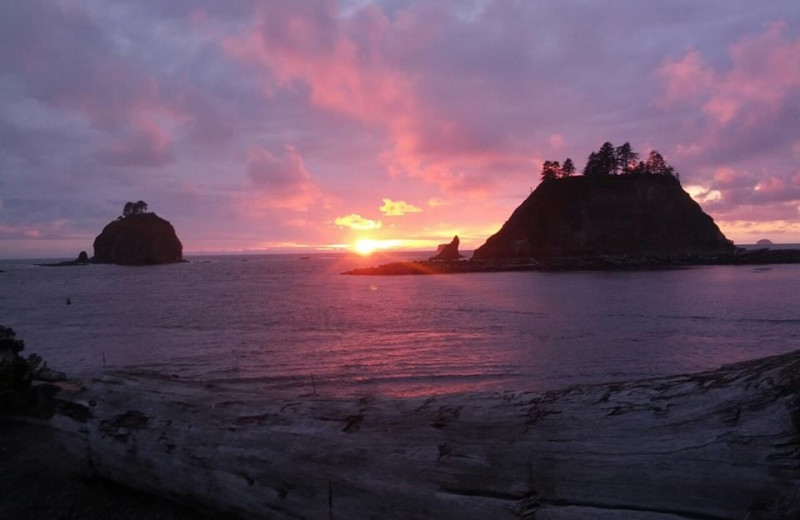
(294, 326)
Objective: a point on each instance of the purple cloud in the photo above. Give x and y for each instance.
(250, 111)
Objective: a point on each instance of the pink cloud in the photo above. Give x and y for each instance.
(308, 42)
(557, 142)
(145, 143)
(351, 67)
(281, 179)
(427, 101)
(36, 230)
(725, 175)
(741, 143)
(764, 72)
(686, 78)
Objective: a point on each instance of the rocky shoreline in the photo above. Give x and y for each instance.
(49, 482)
(721, 444)
(583, 263)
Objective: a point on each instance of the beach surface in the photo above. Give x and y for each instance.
(720, 444)
(41, 480)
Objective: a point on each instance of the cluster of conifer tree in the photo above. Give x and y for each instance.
(609, 160)
(134, 208)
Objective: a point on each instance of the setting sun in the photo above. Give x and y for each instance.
(366, 246)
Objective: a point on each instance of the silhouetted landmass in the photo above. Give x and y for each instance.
(83, 259)
(585, 263)
(621, 214)
(15, 372)
(606, 215)
(448, 251)
(764, 242)
(18, 394)
(138, 238)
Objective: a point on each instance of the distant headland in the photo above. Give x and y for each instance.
(621, 213)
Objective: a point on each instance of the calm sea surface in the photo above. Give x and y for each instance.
(282, 324)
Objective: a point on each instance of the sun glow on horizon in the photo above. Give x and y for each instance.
(365, 246)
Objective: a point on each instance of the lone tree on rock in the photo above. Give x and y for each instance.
(626, 158)
(656, 165)
(607, 159)
(591, 169)
(568, 168)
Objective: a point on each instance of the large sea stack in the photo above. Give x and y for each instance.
(138, 238)
(606, 215)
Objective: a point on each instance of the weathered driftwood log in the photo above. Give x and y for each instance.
(716, 445)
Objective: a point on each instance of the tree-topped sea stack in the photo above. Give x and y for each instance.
(620, 206)
(138, 237)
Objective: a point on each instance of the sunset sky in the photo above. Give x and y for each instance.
(266, 126)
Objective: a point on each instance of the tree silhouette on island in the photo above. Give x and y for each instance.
(134, 208)
(609, 160)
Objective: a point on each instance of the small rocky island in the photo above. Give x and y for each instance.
(622, 213)
(83, 259)
(138, 237)
(448, 251)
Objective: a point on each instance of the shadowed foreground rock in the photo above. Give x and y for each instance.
(716, 445)
(40, 480)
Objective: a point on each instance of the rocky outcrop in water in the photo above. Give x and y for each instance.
(138, 239)
(606, 215)
(448, 251)
(83, 259)
(759, 257)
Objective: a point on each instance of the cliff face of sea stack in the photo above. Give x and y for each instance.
(606, 215)
(138, 239)
(448, 251)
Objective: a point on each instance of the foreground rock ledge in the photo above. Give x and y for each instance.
(716, 445)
